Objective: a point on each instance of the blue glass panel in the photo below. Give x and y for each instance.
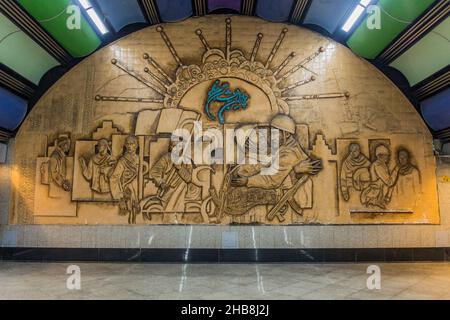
(12, 110)
(329, 13)
(174, 10)
(274, 10)
(436, 110)
(224, 4)
(121, 13)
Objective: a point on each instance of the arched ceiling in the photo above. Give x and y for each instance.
(40, 40)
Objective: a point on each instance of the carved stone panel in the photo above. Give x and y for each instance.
(341, 144)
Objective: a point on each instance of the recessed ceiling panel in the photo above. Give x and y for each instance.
(426, 57)
(436, 110)
(224, 4)
(328, 14)
(174, 10)
(395, 16)
(121, 13)
(274, 10)
(62, 23)
(12, 110)
(21, 54)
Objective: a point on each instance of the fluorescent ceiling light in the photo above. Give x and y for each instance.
(359, 10)
(365, 3)
(97, 21)
(85, 4)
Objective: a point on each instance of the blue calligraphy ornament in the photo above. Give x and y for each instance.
(232, 100)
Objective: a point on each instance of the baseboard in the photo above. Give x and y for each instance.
(224, 255)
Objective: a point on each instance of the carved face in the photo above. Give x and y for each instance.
(131, 146)
(403, 158)
(102, 149)
(384, 157)
(355, 151)
(65, 147)
(284, 137)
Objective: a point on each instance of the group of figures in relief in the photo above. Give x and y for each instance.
(376, 181)
(133, 168)
(242, 189)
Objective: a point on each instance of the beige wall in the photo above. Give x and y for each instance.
(349, 101)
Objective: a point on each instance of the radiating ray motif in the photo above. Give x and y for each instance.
(276, 47)
(169, 45)
(256, 47)
(155, 65)
(199, 33)
(219, 63)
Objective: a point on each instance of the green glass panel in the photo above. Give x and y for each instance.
(21, 54)
(426, 57)
(396, 16)
(54, 16)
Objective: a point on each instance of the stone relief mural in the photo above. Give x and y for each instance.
(344, 155)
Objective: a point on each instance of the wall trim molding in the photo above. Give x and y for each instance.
(186, 255)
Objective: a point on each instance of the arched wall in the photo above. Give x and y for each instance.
(335, 98)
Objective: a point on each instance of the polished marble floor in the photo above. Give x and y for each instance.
(224, 281)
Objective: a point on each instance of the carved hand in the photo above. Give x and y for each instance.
(309, 166)
(162, 185)
(123, 205)
(239, 181)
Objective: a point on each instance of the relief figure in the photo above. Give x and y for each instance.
(57, 164)
(99, 168)
(409, 179)
(173, 182)
(379, 192)
(124, 181)
(292, 174)
(354, 172)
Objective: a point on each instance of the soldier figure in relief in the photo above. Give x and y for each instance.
(293, 162)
